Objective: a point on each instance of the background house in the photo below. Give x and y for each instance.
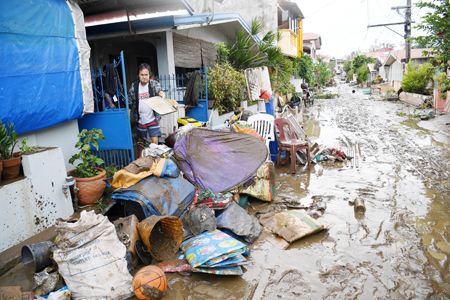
(311, 43)
(290, 28)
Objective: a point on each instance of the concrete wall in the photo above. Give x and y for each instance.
(63, 136)
(263, 10)
(34, 203)
(212, 34)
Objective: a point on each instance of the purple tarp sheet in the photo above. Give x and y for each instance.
(219, 161)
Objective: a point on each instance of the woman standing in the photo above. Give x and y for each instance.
(147, 120)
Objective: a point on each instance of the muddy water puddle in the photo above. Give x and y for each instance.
(398, 249)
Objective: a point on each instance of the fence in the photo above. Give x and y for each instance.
(175, 85)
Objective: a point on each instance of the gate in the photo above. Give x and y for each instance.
(117, 148)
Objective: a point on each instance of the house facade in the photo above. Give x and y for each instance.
(290, 28)
(311, 43)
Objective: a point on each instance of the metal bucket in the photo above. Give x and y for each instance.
(38, 254)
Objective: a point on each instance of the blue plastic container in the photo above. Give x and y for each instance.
(269, 107)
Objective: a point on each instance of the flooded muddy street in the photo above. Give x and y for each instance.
(398, 249)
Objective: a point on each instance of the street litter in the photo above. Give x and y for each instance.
(291, 225)
(162, 235)
(142, 168)
(156, 196)
(215, 252)
(331, 154)
(60, 294)
(39, 255)
(358, 206)
(91, 259)
(213, 200)
(199, 219)
(149, 283)
(175, 266)
(127, 232)
(45, 281)
(239, 222)
(154, 150)
(233, 157)
(263, 187)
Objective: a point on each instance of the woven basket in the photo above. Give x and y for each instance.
(162, 235)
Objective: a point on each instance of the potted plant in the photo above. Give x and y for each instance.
(89, 177)
(10, 160)
(26, 149)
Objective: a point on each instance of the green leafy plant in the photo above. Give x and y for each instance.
(226, 86)
(377, 79)
(417, 78)
(110, 171)
(326, 96)
(304, 68)
(349, 76)
(243, 52)
(27, 149)
(87, 163)
(436, 24)
(8, 140)
(443, 84)
(322, 73)
(362, 74)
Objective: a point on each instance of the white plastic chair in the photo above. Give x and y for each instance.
(264, 125)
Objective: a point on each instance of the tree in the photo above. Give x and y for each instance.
(361, 60)
(347, 66)
(437, 24)
(243, 53)
(303, 68)
(323, 73)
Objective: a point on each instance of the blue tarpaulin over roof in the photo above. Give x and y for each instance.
(40, 82)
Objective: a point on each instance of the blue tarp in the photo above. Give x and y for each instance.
(40, 83)
(159, 196)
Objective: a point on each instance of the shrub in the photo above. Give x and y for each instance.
(377, 80)
(443, 82)
(362, 74)
(226, 86)
(349, 76)
(417, 78)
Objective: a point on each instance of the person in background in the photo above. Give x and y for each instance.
(148, 129)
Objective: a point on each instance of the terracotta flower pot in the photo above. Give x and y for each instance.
(90, 189)
(1, 170)
(11, 167)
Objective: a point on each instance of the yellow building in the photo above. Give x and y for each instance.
(290, 28)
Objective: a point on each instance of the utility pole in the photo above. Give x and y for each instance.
(407, 23)
(408, 30)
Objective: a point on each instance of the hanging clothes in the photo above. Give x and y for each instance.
(194, 88)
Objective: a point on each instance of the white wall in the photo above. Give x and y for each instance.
(34, 203)
(211, 34)
(164, 50)
(263, 10)
(63, 136)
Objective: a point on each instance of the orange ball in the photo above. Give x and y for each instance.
(149, 283)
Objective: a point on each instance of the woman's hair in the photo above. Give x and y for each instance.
(144, 66)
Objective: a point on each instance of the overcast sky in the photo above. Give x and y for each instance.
(342, 24)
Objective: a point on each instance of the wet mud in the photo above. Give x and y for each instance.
(398, 248)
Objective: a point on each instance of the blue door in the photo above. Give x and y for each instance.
(111, 114)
